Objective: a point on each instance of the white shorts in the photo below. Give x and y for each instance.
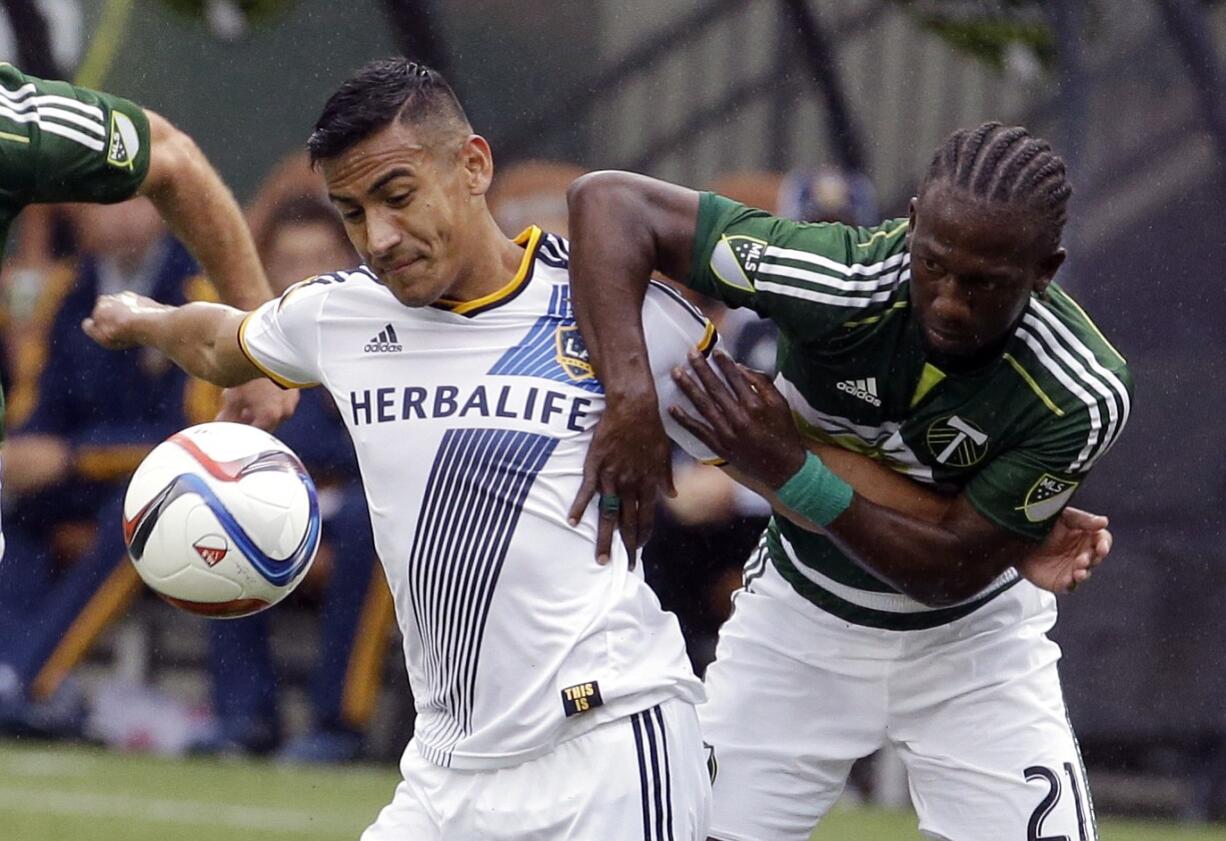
(974, 708)
(640, 777)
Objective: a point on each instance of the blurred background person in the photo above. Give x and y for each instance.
(532, 192)
(301, 236)
(83, 421)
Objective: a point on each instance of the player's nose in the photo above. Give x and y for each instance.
(951, 304)
(382, 235)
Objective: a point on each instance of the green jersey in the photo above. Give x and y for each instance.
(1017, 436)
(60, 143)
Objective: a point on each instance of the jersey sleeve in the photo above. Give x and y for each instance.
(60, 143)
(281, 337)
(809, 278)
(1025, 487)
(673, 327)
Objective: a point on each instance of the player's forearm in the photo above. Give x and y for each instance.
(201, 212)
(906, 548)
(199, 337)
(934, 563)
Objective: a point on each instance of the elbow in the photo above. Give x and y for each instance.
(173, 154)
(605, 189)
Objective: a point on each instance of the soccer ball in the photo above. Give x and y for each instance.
(221, 520)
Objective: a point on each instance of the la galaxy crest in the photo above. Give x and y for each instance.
(572, 353)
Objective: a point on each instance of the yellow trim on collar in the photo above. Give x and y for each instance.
(529, 237)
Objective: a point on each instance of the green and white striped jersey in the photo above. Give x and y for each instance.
(1017, 436)
(60, 143)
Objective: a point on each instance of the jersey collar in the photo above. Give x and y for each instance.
(530, 239)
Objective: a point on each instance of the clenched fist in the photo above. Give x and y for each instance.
(115, 321)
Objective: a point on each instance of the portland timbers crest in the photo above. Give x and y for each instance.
(572, 353)
(1047, 497)
(735, 260)
(957, 442)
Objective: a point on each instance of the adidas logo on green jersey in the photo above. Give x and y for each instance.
(865, 390)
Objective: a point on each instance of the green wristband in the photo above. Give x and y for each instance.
(815, 492)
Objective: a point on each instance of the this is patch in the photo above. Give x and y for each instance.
(581, 698)
(735, 260)
(572, 353)
(957, 442)
(1047, 497)
(212, 548)
(125, 141)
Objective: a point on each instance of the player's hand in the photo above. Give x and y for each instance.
(627, 465)
(746, 422)
(115, 319)
(1079, 542)
(260, 403)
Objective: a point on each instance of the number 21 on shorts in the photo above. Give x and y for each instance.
(1034, 829)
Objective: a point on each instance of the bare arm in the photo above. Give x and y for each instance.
(623, 227)
(200, 338)
(937, 557)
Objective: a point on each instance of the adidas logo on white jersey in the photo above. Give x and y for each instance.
(866, 390)
(385, 342)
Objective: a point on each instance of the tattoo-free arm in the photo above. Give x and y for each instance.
(623, 227)
(200, 338)
(748, 423)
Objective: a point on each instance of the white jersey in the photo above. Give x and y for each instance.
(471, 422)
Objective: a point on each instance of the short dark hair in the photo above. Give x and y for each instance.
(378, 93)
(1005, 165)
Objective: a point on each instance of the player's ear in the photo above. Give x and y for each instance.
(478, 163)
(911, 218)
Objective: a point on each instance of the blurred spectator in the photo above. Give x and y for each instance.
(532, 193)
(301, 237)
(292, 178)
(827, 194)
(83, 419)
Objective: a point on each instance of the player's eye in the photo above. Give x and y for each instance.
(399, 199)
(931, 266)
(352, 215)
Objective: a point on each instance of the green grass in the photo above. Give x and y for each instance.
(52, 793)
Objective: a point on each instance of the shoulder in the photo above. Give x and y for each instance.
(320, 289)
(1084, 382)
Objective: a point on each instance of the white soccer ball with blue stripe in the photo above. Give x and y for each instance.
(221, 520)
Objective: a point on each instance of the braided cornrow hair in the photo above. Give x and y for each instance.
(1005, 165)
